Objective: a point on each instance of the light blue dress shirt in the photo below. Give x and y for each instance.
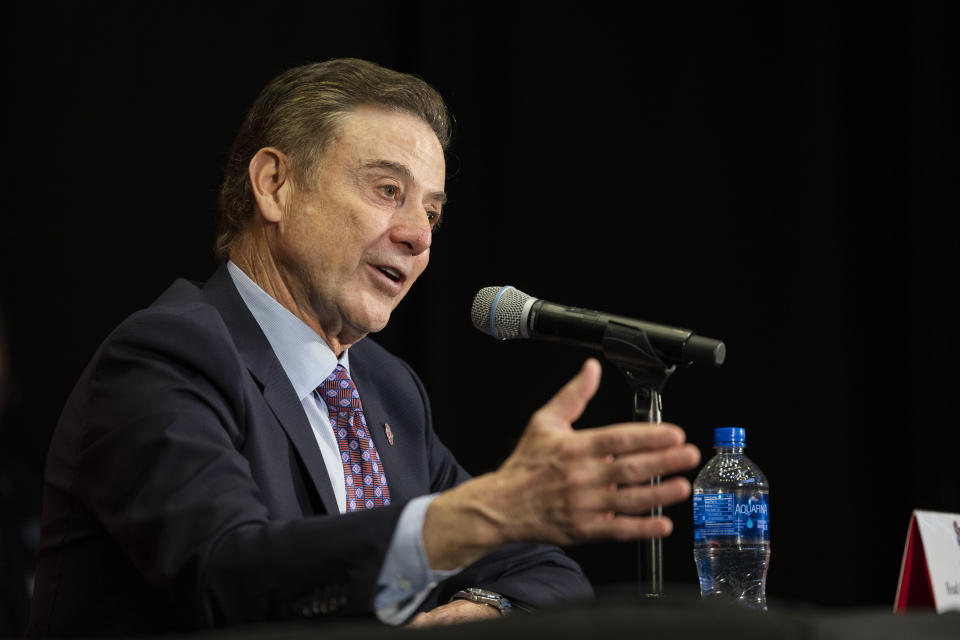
(405, 578)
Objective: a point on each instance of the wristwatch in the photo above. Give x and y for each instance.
(489, 598)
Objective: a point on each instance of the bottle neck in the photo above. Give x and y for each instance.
(730, 449)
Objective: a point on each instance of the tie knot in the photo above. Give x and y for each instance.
(338, 390)
(339, 373)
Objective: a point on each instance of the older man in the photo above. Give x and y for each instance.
(239, 452)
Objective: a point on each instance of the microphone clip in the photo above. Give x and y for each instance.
(629, 349)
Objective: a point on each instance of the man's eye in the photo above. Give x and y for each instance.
(434, 218)
(390, 190)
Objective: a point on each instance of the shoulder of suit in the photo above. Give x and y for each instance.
(182, 294)
(181, 319)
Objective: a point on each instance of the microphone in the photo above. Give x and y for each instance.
(506, 313)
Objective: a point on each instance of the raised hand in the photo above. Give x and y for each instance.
(562, 485)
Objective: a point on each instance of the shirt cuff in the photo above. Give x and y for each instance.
(406, 578)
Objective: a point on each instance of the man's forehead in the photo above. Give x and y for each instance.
(374, 138)
(379, 125)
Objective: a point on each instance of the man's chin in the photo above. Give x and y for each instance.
(360, 328)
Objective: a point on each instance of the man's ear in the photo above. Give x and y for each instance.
(269, 173)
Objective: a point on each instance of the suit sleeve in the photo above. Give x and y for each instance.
(531, 575)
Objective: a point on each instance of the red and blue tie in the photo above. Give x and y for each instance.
(366, 482)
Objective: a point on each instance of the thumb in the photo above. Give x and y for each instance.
(568, 403)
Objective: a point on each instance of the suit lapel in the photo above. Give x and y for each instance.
(277, 390)
(391, 455)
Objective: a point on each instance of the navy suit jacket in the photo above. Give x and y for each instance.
(184, 487)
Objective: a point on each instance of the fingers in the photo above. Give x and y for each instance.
(640, 499)
(640, 467)
(632, 499)
(593, 483)
(631, 437)
(627, 508)
(634, 468)
(624, 528)
(568, 404)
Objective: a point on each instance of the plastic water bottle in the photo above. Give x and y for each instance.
(731, 523)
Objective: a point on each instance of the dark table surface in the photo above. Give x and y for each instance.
(619, 613)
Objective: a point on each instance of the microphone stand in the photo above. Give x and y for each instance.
(630, 350)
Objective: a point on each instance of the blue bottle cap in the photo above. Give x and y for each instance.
(729, 437)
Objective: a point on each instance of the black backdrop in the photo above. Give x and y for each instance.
(774, 176)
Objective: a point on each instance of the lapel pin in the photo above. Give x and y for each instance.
(386, 430)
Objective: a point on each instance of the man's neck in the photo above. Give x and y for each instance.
(261, 267)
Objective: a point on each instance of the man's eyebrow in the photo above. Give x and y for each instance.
(403, 170)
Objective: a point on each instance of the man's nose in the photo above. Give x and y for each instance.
(412, 228)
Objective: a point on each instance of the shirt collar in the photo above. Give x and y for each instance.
(305, 357)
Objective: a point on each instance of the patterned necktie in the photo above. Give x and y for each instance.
(366, 482)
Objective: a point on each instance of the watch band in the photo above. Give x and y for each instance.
(483, 596)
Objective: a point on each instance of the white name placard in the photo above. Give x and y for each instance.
(930, 569)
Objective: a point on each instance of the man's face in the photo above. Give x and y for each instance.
(357, 235)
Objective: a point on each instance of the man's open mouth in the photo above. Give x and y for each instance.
(391, 273)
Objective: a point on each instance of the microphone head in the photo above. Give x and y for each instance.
(497, 311)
